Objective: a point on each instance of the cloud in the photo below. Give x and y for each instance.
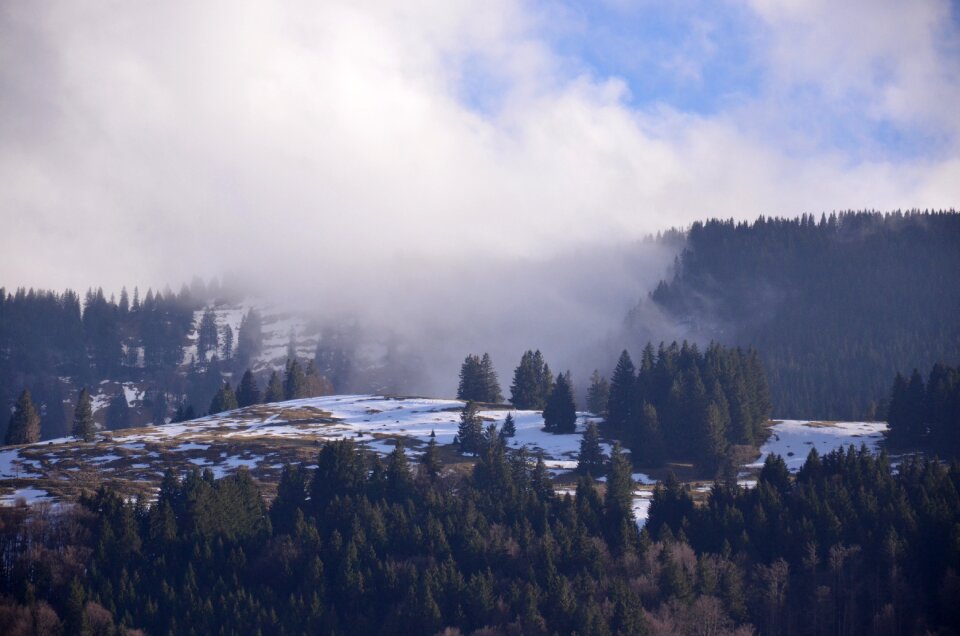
(322, 143)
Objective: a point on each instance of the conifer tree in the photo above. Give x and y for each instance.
(470, 431)
(399, 479)
(620, 402)
(227, 342)
(249, 338)
(591, 459)
(224, 400)
(295, 381)
(83, 425)
(560, 414)
(471, 381)
(24, 426)
(646, 445)
(275, 391)
(509, 427)
(314, 383)
(532, 382)
(118, 412)
(598, 394)
(619, 521)
(248, 392)
(430, 463)
(207, 335)
(491, 384)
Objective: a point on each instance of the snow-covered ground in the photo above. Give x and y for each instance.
(261, 438)
(793, 439)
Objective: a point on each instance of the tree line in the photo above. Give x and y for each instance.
(835, 306)
(926, 414)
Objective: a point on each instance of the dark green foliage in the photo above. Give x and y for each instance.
(684, 404)
(275, 389)
(927, 415)
(334, 358)
(591, 459)
(834, 307)
(83, 425)
(509, 427)
(208, 339)
(24, 426)
(560, 413)
(223, 400)
(430, 463)
(478, 380)
(248, 392)
(118, 413)
(848, 546)
(618, 522)
(249, 339)
(598, 394)
(470, 431)
(532, 382)
(294, 381)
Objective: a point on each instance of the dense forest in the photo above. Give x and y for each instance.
(835, 307)
(927, 414)
(356, 545)
(848, 547)
(683, 404)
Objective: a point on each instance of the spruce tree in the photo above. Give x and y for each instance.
(532, 382)
(490, 382)
(591, 459)
(620, 402)
(560, 414)
(248, 392)
(249, 338)
(509, 427)
(598, 394)
(83, 425)
(619, 524)
(118, 413)
(24, 426)
(295, 381)
(207, 335)
(274, 392)
(224, 400)
(470, 431)
(430, 463)
(471, 380)
(647, 445)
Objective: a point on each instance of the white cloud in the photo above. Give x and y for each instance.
(145, 142)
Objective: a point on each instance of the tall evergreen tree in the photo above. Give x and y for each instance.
(620, 403)
(224, 400)
(470, 386)
(491, 384)
(83, 425)
(207, 335)
(598, 394)
(470, 431)
(532, 382)
(275, 389)
(24, 426)
(560, 414)
(249, 338)
(619, 523)
(591, 459)
(509, 427)
(118, 413)
(294, 381)
(248, 392)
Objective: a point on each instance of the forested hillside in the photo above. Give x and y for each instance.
(835, 306)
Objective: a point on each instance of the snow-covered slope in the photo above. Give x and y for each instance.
(793, 439)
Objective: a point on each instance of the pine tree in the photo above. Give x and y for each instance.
(399, 479)
(248, 392)
(295, 381)
(227, 342)
(591, 459)
(83, 425)
(560, 414)
(470, 431)
(430, 463)
(471, 381)
(24, 426)
(647, 445)
(249, 338)
(620, 402)
(207, 336)
(275, 391)
(509, 427)
(532, 382)
(598, 395)
(118, 413)
(224, 400)
(490, 382)
(619, 523)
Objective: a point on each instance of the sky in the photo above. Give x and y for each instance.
(143, 143)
